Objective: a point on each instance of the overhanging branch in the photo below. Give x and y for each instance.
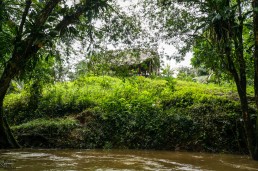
(44, 14)
(24, 15)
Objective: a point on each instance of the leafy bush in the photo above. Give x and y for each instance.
(46, 133)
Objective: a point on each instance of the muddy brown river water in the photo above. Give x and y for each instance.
(121, 160)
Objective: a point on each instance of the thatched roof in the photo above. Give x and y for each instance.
(132, 57)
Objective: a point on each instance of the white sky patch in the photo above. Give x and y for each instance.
(170, 50)
(72, 2)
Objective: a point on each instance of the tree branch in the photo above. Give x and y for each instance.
(24, 15)
(69, 19)
(44, 14)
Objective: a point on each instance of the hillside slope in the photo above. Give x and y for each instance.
(137, 112)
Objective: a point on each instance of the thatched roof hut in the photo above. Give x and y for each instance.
(133, 61)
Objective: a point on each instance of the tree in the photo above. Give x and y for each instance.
(225, 34)
(167, 71)
(38, 76)
(186, 73)
(33, 27)
(217, 27)
(225, 30)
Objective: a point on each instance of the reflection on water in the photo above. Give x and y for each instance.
(121, 160)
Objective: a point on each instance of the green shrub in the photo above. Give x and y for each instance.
(45, 133)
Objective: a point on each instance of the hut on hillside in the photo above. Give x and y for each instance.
(129, 62)
(136, 61)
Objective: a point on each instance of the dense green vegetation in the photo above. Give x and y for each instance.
(36, 37)
(136, 112)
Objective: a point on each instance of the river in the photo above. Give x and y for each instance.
(121, 160)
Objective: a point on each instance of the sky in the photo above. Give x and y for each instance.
(170, 50)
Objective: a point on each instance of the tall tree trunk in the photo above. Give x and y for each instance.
(250, 130)
(13, 67)
(7, 140)
(239, 74)
(255, 23)
(240, 80)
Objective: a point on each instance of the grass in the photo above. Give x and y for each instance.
(58, 123)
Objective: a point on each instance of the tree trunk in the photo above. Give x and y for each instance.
(255, 23)
(241, 88)
(249, 130)
(239, 76)
(7, 140)
(13, 67)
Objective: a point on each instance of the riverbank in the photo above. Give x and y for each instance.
(133, 113)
